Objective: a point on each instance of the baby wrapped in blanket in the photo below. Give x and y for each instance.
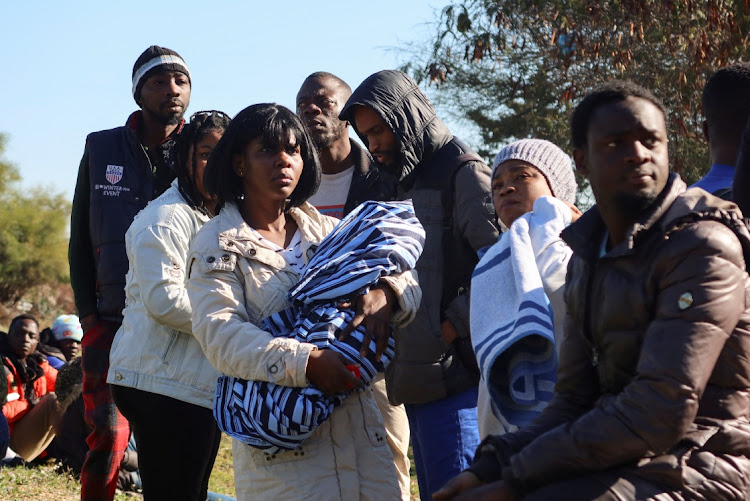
(374, 240)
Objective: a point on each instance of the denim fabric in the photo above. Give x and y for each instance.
(444, 436)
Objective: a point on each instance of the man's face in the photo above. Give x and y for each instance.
(626, 157)
(319, 103)
(165, 97)
(70, 348)
(23, 337)
(381, 141)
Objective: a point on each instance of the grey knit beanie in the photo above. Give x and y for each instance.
(553, 162)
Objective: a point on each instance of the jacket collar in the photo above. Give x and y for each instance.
(237, 237)
(134, 123)
(585, 235)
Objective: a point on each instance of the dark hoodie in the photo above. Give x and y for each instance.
(452, 201)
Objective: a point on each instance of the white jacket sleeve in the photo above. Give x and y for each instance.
(159, 268)
(232, 343)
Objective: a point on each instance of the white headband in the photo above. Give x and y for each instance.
(158, 61)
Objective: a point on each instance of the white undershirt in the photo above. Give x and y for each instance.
(331, 195)
(293, 252)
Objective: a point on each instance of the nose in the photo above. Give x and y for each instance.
(638, 153)
(283, 158)
(311, 109)
(173, 89)
(372, 145)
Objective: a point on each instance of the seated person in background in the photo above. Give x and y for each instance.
(31, 407)
(653, 384)
(533, 190)
(48, 347)
(68, 334)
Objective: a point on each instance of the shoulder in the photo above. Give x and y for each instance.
(313, 225)
(703, 237)
(102, 135)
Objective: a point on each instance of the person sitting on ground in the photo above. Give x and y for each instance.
(48, 347)
(653, 384)
(31, 407)
(533, 191)
(68, 334)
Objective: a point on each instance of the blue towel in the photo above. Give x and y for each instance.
(374, 240)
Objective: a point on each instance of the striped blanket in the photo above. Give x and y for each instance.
(374, 240)
(515, 345)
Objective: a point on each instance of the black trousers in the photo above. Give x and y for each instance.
(177, 443)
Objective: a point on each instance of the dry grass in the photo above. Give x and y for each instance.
(44, 483)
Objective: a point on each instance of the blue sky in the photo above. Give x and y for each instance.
(66, 66)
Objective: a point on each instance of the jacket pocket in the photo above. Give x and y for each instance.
(372, 420)
(169, 350)
(263, 460)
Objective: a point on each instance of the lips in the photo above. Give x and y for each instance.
(174, 103)
(507, 203)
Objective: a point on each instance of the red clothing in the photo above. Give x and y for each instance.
(17, 409)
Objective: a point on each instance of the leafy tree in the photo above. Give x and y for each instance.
(516, 69)
(33, 240)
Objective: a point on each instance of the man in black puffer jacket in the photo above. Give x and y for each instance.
(434, 373)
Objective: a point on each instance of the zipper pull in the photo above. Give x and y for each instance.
(594, 357)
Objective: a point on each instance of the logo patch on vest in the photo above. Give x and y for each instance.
(685, 301)
(114, 173)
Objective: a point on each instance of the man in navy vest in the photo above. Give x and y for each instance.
(121, 171)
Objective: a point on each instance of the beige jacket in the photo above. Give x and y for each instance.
(234, 283)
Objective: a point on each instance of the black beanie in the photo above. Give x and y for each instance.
(156, 59)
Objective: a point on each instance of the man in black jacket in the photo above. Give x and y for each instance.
(434, 372)
(349, 178)
(121, 171)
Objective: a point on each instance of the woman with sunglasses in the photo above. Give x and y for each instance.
(161, 381)
(241, 266)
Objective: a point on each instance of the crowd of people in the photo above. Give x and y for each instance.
(525, 350)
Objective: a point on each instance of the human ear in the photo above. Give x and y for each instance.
(238, 164)
(579, 156)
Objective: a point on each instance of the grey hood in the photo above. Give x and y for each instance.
(397, 99)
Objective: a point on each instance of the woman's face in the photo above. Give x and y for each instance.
(269, 172)
(200, 153)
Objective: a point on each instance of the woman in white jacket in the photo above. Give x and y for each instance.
(241, 265)
(161, 381)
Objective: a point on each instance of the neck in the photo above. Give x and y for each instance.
(259, 215)
(336, 157)
(617, 224)
(152, 132)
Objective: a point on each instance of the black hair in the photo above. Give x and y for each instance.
(611, 92)
(21, 318)
(323, 75)
(726, 102)
(273, 123)
(201, 123)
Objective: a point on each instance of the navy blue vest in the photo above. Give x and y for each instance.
(120, 185)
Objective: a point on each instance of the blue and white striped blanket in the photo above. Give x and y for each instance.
(512, 323)
(374, 240)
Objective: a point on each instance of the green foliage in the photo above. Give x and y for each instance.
(517, 69)
(33, 240)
